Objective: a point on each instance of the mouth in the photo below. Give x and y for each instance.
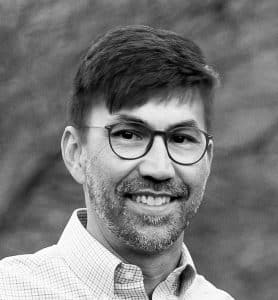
(152, 199)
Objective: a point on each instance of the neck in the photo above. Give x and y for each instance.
(155, 267)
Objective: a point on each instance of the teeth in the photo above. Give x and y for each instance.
(152, 201)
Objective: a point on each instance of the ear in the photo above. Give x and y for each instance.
(210, 152)
(73, 153)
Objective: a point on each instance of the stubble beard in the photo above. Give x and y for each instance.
(143, 233)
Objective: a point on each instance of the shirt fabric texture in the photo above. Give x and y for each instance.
(79, 267)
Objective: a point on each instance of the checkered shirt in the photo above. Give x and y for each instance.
(79, 267)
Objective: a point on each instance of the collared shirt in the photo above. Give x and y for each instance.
(79, 267)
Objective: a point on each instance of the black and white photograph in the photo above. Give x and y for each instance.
(139, 149)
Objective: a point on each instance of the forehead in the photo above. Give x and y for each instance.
(158, 112)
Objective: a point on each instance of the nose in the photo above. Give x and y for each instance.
(156, 163)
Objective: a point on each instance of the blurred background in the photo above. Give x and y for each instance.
(233, 239)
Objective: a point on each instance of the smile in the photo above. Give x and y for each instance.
(150, 203)
(151, 200)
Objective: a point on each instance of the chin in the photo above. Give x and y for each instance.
(152, 237)
(151, 244)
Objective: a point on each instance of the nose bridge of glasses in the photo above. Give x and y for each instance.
(156, 162)
(158, 145)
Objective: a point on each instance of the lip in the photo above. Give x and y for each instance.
(145, 209)
(152, 193)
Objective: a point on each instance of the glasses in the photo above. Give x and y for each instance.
(185, 145)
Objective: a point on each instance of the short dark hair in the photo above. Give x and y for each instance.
(128, 63)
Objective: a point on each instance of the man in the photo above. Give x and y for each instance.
(137, 142)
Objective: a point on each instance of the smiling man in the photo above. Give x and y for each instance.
(138, 143)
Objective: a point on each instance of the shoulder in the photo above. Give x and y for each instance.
(29, 263)
(203, 289)
(23, 275)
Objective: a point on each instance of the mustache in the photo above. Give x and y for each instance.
(131, 186)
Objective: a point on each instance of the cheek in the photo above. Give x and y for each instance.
(196, 175)
(110, 168)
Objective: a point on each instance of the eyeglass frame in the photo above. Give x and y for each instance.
(154, 133)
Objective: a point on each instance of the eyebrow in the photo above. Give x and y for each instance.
(127, 118)
(133, 119)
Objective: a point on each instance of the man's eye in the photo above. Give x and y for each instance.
(181, 139)
(126, 134)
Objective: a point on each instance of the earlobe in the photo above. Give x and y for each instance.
(72, 151)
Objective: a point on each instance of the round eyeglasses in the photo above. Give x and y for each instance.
(185, 145)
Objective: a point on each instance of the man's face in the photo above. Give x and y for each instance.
(144, 203)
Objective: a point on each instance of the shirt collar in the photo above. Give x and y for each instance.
(183, 276)
(89, 260)
(96, 266)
